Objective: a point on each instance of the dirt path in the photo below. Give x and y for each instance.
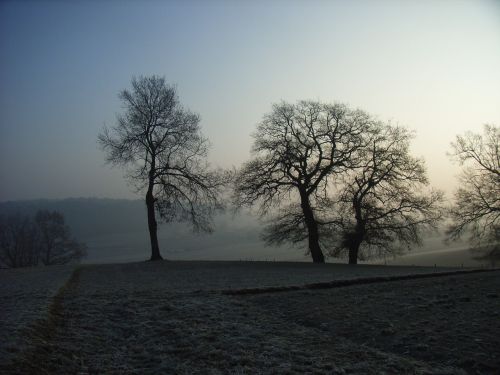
(445, 325)
(25, 297)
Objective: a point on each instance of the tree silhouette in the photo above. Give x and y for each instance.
(25, 241)
(297, 148)
(161, 146)
(385, 204)
(378, 206)
(55, 244)
(476, 209)
(18, 241)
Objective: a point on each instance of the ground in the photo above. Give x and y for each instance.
(25, 297)
(177, 317)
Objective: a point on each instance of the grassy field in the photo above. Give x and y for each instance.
(176, 317)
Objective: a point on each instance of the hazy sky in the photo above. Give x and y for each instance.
(433, 66)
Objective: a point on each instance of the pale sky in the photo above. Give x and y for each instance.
(433, 66)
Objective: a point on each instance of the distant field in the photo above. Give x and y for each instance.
(238, 244)
(461, 257)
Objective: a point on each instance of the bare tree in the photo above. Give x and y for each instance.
(297, 148)
(476, 210)
(18, 241)
(161, 145)
(385, 204)
(55, 244)
(25, 241)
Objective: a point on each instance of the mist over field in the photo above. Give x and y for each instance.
(325, 129)
(115, 230)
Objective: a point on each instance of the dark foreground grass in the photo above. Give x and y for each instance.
(350, 282)
(124, 322)
(42, 334)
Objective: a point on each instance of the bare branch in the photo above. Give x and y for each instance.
(161, 146)
(297, 152)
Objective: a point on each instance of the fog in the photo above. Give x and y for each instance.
(430, 66)
(115, 231)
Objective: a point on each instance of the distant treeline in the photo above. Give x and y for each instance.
(87, 216)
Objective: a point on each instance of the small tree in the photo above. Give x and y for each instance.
(161, 145)
(18, 241)
(384, 204)
(297, 148)
(55, 244)
(476, 209)
(25, 242)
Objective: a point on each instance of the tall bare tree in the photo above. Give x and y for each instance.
(161, 146)
(385, 204)
(378, 207)
(297, 148)
(476, 209)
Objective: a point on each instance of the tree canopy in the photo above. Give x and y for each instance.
(385, 203)
(165, 154)
(476, 210)
(380, 205)
(297, 149)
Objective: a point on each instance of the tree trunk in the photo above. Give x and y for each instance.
(152, 225)
(356, 239)
(312, 230)
(353, 252)
(48, 250)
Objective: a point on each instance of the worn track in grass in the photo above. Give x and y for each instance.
(349, 282)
